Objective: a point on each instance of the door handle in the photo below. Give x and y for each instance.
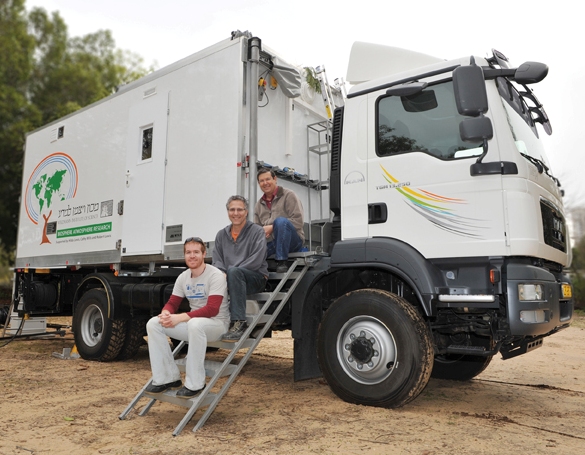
(377, 213)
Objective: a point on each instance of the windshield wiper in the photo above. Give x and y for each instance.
(541, 167)
(538, 163)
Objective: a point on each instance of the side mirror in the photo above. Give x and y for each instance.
(477, 129)
(530, 73)
(470, 91)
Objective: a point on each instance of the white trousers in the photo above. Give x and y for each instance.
(197, 331)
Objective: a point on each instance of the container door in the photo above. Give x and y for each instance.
(145, 175)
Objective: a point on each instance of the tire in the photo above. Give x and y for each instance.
(135, 331)
(375, 349)
(96, 336)
(459, 367)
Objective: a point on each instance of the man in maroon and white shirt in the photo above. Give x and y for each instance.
(206, 289)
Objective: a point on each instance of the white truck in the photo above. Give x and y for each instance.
(436, 226)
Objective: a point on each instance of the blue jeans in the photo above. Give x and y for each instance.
(241, 282)
(286, 240)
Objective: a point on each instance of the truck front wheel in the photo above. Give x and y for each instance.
(97, 337)
(459, 367)
(375, 349)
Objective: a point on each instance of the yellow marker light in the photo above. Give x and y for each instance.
(567, 290)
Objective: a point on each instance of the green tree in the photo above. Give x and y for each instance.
(17, 114)
(44, 75)
(578, 274)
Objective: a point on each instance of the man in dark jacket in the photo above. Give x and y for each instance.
(240, 252)
(280, 213)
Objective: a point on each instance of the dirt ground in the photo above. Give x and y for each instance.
(533, 404)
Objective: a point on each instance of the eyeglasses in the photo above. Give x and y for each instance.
(236, 209)
(193, 239)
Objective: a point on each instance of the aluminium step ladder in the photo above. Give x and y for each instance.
(258, 325)
(326, 93)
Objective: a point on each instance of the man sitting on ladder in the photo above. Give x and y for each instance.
(206, 289)
(280, 213)
(240, 252)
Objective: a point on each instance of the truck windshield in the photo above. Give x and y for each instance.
(521, 123)
(427, 122)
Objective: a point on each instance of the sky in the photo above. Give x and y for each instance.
(313, 33)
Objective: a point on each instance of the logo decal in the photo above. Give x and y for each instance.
(354, 177)
(439, 210)
(54, 179)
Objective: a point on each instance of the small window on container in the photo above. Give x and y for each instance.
(147, 143)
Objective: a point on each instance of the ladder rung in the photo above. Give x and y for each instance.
(170, 396)
(227, 345)
(262, 320)
(280, 276)
(264, 296)
(211, 366)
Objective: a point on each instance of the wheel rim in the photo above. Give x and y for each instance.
(366, 350)
(92, 326)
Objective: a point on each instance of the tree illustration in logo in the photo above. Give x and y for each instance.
(52, 181)
(45, 190)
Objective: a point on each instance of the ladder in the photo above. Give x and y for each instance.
(325, 90)
(258, 325)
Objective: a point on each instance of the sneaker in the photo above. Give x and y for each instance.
(281, 267)
(184, 392)
(235, 332)
(161, 388)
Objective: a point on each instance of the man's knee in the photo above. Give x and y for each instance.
(195, 324)
(280, 223)
(234, 273)
(153, 324)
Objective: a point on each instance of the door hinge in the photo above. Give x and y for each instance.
(121, 208)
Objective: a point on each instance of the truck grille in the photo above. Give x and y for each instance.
(553, 226)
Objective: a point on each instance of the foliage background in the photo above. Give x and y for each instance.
(44, 75)
(577, 273)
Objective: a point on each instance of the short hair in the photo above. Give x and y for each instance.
(196, 240)
(237, 198)
(264, 170)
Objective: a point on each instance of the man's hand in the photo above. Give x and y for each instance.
(268, 230)
(169, 320)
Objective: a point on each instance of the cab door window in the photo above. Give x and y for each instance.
(427, 122)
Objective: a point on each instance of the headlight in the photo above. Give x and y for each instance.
(530, 292)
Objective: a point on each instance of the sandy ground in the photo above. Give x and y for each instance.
(533, 404)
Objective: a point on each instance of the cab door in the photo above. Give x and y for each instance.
(420, 189)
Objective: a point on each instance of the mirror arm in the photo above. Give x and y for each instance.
(492, 73)
(485, 150)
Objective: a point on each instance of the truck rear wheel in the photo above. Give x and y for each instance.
(97, 337)
(375, 349)
(135, 331)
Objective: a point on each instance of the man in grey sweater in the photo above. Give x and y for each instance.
(240, 252)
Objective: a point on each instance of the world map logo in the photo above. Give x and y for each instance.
(54, 179)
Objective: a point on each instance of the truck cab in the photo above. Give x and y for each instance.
(443, 199)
